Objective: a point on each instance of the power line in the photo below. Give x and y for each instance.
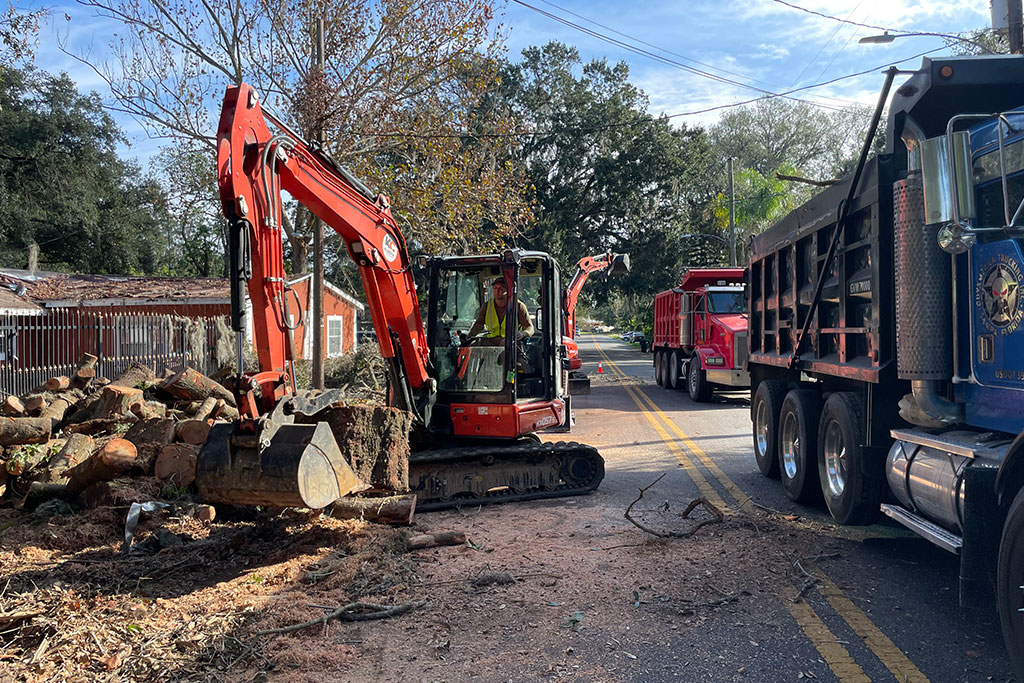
(676, 54)
(664, 60)
(647, 118)
(821, 49)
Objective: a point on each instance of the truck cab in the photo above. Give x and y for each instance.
(700, 333)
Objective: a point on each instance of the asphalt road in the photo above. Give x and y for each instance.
(886, 608)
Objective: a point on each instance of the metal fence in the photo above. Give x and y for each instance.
(35, 348)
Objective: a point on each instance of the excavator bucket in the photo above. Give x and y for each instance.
(288, 465)
(620, 265)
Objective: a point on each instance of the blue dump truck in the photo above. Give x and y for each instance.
(885, 330)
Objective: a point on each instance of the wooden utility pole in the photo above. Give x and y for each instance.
(732, 218)
(316, 316)
(1013, 16)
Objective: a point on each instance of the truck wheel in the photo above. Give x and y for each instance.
(697, 382)
(659, 372)
(852, 497)
(765, 412)
(798, 445)
(672, 380)
(1009, 594)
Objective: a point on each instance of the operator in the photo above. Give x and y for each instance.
(492, 316)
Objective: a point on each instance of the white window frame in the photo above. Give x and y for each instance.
(340, 321)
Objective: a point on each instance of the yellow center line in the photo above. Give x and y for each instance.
(835, 655)
(886, 651)
(705, 488)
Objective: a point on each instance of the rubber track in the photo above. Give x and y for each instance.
(470, 459)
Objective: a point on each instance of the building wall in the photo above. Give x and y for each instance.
(334, 308)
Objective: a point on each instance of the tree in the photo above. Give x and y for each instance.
(397, 100)
(18, 29)
(607, 174)
(62, 185)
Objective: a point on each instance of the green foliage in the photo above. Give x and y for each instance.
(607, 175)
(63, 186)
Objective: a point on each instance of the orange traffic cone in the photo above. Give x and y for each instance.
(600, 368)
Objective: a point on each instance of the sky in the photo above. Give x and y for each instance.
(747, 48)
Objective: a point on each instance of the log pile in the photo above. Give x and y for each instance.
(81, 438)
(76, 436)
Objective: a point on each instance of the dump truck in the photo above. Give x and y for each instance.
(886, 347)
(700, 333)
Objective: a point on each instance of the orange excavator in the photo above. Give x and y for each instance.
(609, 264)
(477, 402)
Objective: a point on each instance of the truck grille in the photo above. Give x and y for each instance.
(739, 350)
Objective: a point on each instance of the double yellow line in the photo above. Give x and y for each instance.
(831, 650)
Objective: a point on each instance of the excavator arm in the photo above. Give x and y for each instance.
(253, 166)
(611, 264)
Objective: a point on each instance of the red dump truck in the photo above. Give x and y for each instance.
(700, 333)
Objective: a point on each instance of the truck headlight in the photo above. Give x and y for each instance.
(715, 360)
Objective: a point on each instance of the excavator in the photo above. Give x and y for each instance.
(477, 402)
(609, 264)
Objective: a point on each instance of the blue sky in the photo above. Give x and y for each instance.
(761, 43)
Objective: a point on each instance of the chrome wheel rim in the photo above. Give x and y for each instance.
(761, 429)
(790, 444)
(693, 378)
(835, 459)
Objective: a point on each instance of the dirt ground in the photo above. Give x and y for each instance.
(559, 589)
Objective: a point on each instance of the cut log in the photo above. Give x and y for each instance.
(229, 413)
(207, 407)
(116, 400)
(56, 410)
(147, 410)
(85, 372)
(176, 464)
(34, 404)
(137, 376)
(149, 436)
(13, 406)
(21, 460)
(76, 450)
(112, 459)
(100, 425)
(61, 383)
(374, 440)
(194, 386)
(194, 432)
(205, 513)
(20, 430)
(385, 509)
(119, 492)
(421, 541)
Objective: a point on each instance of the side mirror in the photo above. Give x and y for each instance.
(946, 179)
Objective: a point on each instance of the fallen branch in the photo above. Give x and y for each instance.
(347, 613)
(718, 516)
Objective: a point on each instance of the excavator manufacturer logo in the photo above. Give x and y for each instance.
(998, 296)
(390, 248)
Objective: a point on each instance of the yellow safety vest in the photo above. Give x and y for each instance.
(495, 328)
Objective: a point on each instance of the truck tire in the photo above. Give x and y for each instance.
(1010, 578)
(765, 413)
(672, 379)
(659, 370)
(798, 445)
(852, 496)
(697, 382)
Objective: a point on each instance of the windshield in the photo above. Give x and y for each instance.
(464, 365)
(727, 302)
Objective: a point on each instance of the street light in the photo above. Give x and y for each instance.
(887, 37)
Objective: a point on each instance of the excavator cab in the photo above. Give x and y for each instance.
(494, 379)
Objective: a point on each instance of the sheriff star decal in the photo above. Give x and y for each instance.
(998, 295)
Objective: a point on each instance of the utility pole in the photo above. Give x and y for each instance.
(732, 218)
(316, 317)
(1006, 17)
(1013, 16)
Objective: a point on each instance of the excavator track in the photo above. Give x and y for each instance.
(502, 473)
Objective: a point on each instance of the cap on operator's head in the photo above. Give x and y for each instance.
(499, 281)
